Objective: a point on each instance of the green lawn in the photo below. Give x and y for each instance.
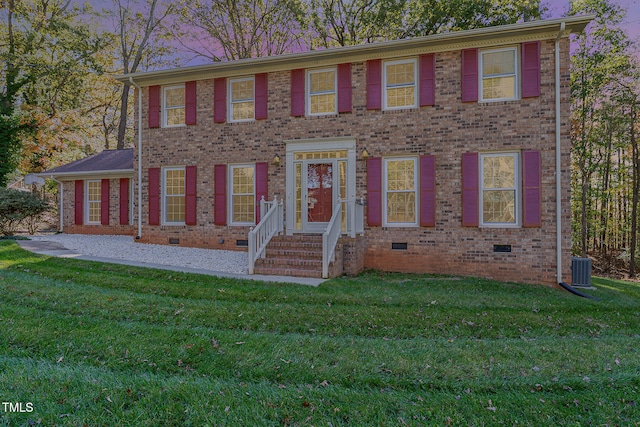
(91, 344)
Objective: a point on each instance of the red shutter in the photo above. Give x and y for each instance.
(262, 185)
(220, 195)
(104, 202)
(190, 90)
(124, 201)
(374, 191)
(374, 84)
(344, 88)
(154, 106)
(220, 100)
(470, 190)
(154, 196)
(532, 199)
(427, 79)
(297, 92)
(190, 195)
(79, 202)
(530, 69)
(261, 87)
(427, 191)
(469, 75)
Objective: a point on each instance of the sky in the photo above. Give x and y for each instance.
(558, 8)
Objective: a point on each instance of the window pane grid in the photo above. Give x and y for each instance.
(322, 92)
(499, 189)
(94, 201)
(499, 74)
(174, 195)
(243, 194)
(400, 84)
(174, 106)
(242, 99)
(401, 191)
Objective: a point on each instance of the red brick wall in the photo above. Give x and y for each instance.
(447, 130)
(114, 226)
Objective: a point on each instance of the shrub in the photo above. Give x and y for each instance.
(19, 207)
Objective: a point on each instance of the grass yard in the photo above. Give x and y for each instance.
(89, 344)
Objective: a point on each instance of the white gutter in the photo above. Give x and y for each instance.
(139, 235)
(61, 202)
(558, 162)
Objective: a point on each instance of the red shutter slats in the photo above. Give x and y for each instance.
(297, 92)
(124, 201)
(79, 202)
(532, 199)
(427, 79)
(154, 106)
(154, 196)
(190, 210)
(374, 84)
(104, 202)
(220, 195)
(530, 69)
(427, 191)
(469, 75)
(374, 191)
(470, 190)
(190, 91)
(344, 88)
(262, 185)
(261, 88)
(220, 100)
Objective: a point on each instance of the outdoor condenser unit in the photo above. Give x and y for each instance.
(580, 271)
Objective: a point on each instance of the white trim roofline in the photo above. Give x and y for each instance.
(479, 37)
(66, 175)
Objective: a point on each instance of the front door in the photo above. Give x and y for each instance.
(319, 195)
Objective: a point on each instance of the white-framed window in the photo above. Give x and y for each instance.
(242, 194)
(400, 186)
(242, 99)
(173, 195)
(399, 80)
(322, 96)
(499, 71)
(499, 189)
(93, 202)
(173, 111)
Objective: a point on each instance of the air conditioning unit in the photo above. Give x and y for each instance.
(581, 272)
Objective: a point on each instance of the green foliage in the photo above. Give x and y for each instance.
(10, 146)
(20, 207)
(101, 344)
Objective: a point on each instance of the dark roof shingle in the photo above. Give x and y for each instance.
(107, 160)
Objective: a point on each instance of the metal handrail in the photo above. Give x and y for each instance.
(270, 224)
(330, 239)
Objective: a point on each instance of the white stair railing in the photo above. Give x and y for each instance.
(271, 223)
(330, 239)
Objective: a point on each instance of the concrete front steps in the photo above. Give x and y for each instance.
(299, 255)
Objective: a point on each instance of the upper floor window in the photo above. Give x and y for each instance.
(499, 74)
(400, 188)
(174, 195)
(242, 194)
(321, 92)
(400, 83)
(173, 113)
(499, 189)
(94, 202)
(241, 99)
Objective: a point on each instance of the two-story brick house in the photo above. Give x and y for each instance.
(443, 154)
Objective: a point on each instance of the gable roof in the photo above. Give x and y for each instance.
(455, 40)
(107, 162)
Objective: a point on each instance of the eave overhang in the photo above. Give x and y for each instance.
(476, 38)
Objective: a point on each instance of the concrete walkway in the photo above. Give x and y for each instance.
(57, 250)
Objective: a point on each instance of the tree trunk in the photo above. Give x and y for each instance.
(636, 190)
(122, 126)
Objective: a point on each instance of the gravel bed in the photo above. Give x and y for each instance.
(125, 248)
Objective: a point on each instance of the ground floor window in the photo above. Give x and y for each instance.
(173, 195)
(400, 191)
(499, 189)
(242, 191)
(94, 202)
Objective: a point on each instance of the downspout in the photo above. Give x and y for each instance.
(139, 235)
(558, 162)
(61, 202)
